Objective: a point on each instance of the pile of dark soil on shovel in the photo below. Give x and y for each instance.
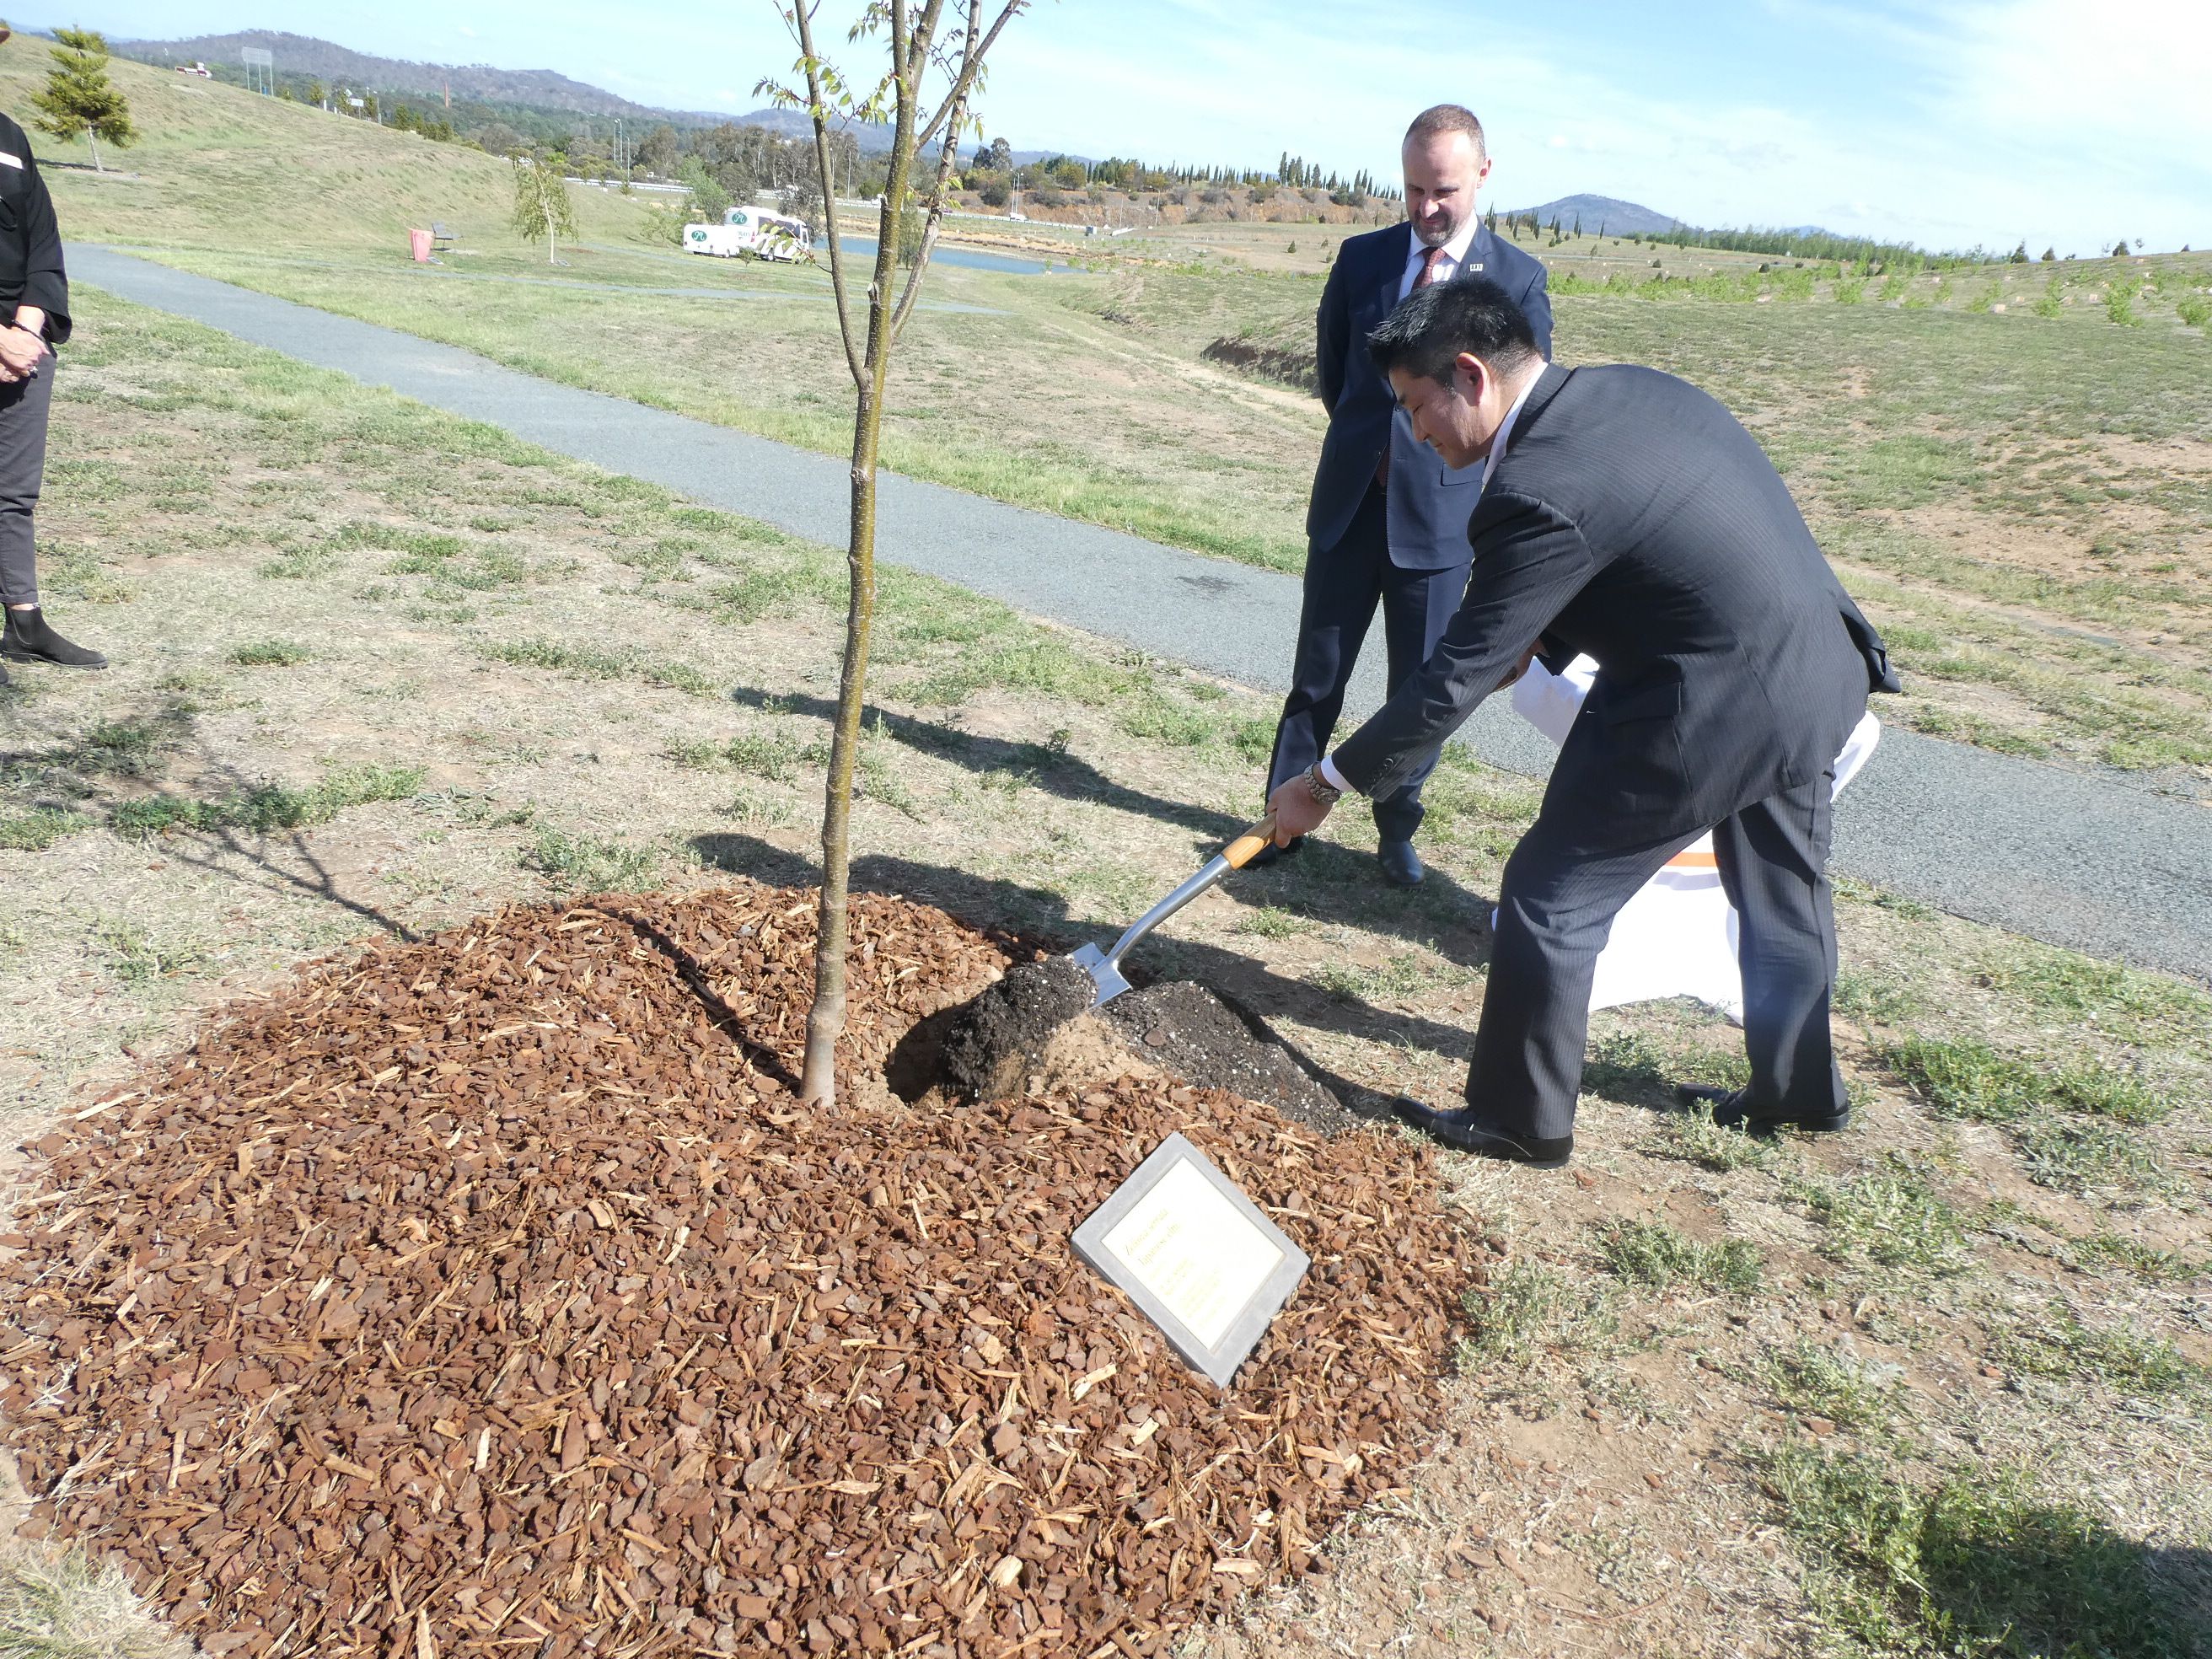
(492, 1294)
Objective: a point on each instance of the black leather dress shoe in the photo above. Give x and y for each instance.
(1457, 1129)
(1401, 864)
(1732, 1110)
(1272, 854)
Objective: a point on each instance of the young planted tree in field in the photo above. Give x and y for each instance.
(541, 207)
(78, 97)
(936, 49)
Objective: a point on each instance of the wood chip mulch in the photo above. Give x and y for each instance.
(492, 1295)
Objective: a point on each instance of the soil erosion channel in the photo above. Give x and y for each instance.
(495, 1294)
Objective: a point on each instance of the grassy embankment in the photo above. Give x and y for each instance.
(215, 166)
(1941, 1382)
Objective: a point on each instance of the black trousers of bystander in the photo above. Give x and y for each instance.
(24, 405)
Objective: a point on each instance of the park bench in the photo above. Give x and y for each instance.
(441, 240)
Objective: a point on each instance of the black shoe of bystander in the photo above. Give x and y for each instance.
(1732, 1110)
(1401, 864)
(1457, 1128)
(29, 637)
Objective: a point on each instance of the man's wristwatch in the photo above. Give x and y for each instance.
(1324, 792)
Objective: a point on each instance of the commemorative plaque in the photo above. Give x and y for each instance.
(1195, 1254)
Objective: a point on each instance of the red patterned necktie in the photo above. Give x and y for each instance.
(1422, 278)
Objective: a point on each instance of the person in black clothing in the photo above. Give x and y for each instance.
(34, 297)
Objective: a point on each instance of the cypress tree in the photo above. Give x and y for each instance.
(78, 97)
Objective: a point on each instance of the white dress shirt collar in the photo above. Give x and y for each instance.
(1327, 765)
(1504, 437)
(1453, 256)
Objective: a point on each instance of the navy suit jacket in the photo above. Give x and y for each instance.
(1634, 519)
(1429, 501)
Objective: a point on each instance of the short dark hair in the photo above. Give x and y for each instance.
(1433, 326)
(1440, 119)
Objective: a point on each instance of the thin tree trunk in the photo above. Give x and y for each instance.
(92, 139)
(817, 1083)
(910, 51)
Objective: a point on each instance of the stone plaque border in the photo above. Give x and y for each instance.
(1218, 1363)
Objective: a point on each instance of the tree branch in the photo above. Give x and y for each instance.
(951, 116)
(801, 16)
(971, 66)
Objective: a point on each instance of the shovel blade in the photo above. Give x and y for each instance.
(1105, 976)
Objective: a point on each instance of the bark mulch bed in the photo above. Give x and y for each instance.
(492, 1295)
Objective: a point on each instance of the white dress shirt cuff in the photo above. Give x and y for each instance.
(1333, 778)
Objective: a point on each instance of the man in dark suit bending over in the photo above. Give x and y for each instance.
(1388, 522)
(1626, 514)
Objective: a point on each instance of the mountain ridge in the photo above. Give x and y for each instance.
(1616, 216)
(325, 60)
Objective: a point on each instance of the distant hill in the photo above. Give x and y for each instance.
(301, 55)
(875, 138)
(1619, 218)
(304, 55)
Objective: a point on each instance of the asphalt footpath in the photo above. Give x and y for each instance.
(2102, 863)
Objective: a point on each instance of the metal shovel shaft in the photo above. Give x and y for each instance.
(1105, 969)
(1214, 869)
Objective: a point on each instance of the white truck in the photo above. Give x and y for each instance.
(749, 232)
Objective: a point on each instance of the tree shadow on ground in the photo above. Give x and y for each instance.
(91, 774)
(2053, 1580)
(1984, 1565)
(1039, 913)
(1326, 882)
(696, 976)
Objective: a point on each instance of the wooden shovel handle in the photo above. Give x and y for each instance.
(1241, 851)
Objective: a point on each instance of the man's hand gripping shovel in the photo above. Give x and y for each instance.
(1104, 967)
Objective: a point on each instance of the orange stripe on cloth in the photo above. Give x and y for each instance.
(1693, 861)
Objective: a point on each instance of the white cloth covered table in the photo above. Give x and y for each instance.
(1677, 937)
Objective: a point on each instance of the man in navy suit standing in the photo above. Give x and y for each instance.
(1388, 522)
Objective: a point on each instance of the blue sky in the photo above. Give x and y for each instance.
(1947, 123)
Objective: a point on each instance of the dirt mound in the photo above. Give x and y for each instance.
(989, 1045)
(1033, 1028)
(1185, 1028)
(493, 1295)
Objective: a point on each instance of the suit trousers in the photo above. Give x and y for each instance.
(1556, 906)
(23, 407)
(1342, 588)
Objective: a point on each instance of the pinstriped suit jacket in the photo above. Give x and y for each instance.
(1633, 518)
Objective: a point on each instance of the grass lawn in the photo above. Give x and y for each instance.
(1939, 1383)
(2022, 502)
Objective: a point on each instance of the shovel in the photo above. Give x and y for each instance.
(1104, 967)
